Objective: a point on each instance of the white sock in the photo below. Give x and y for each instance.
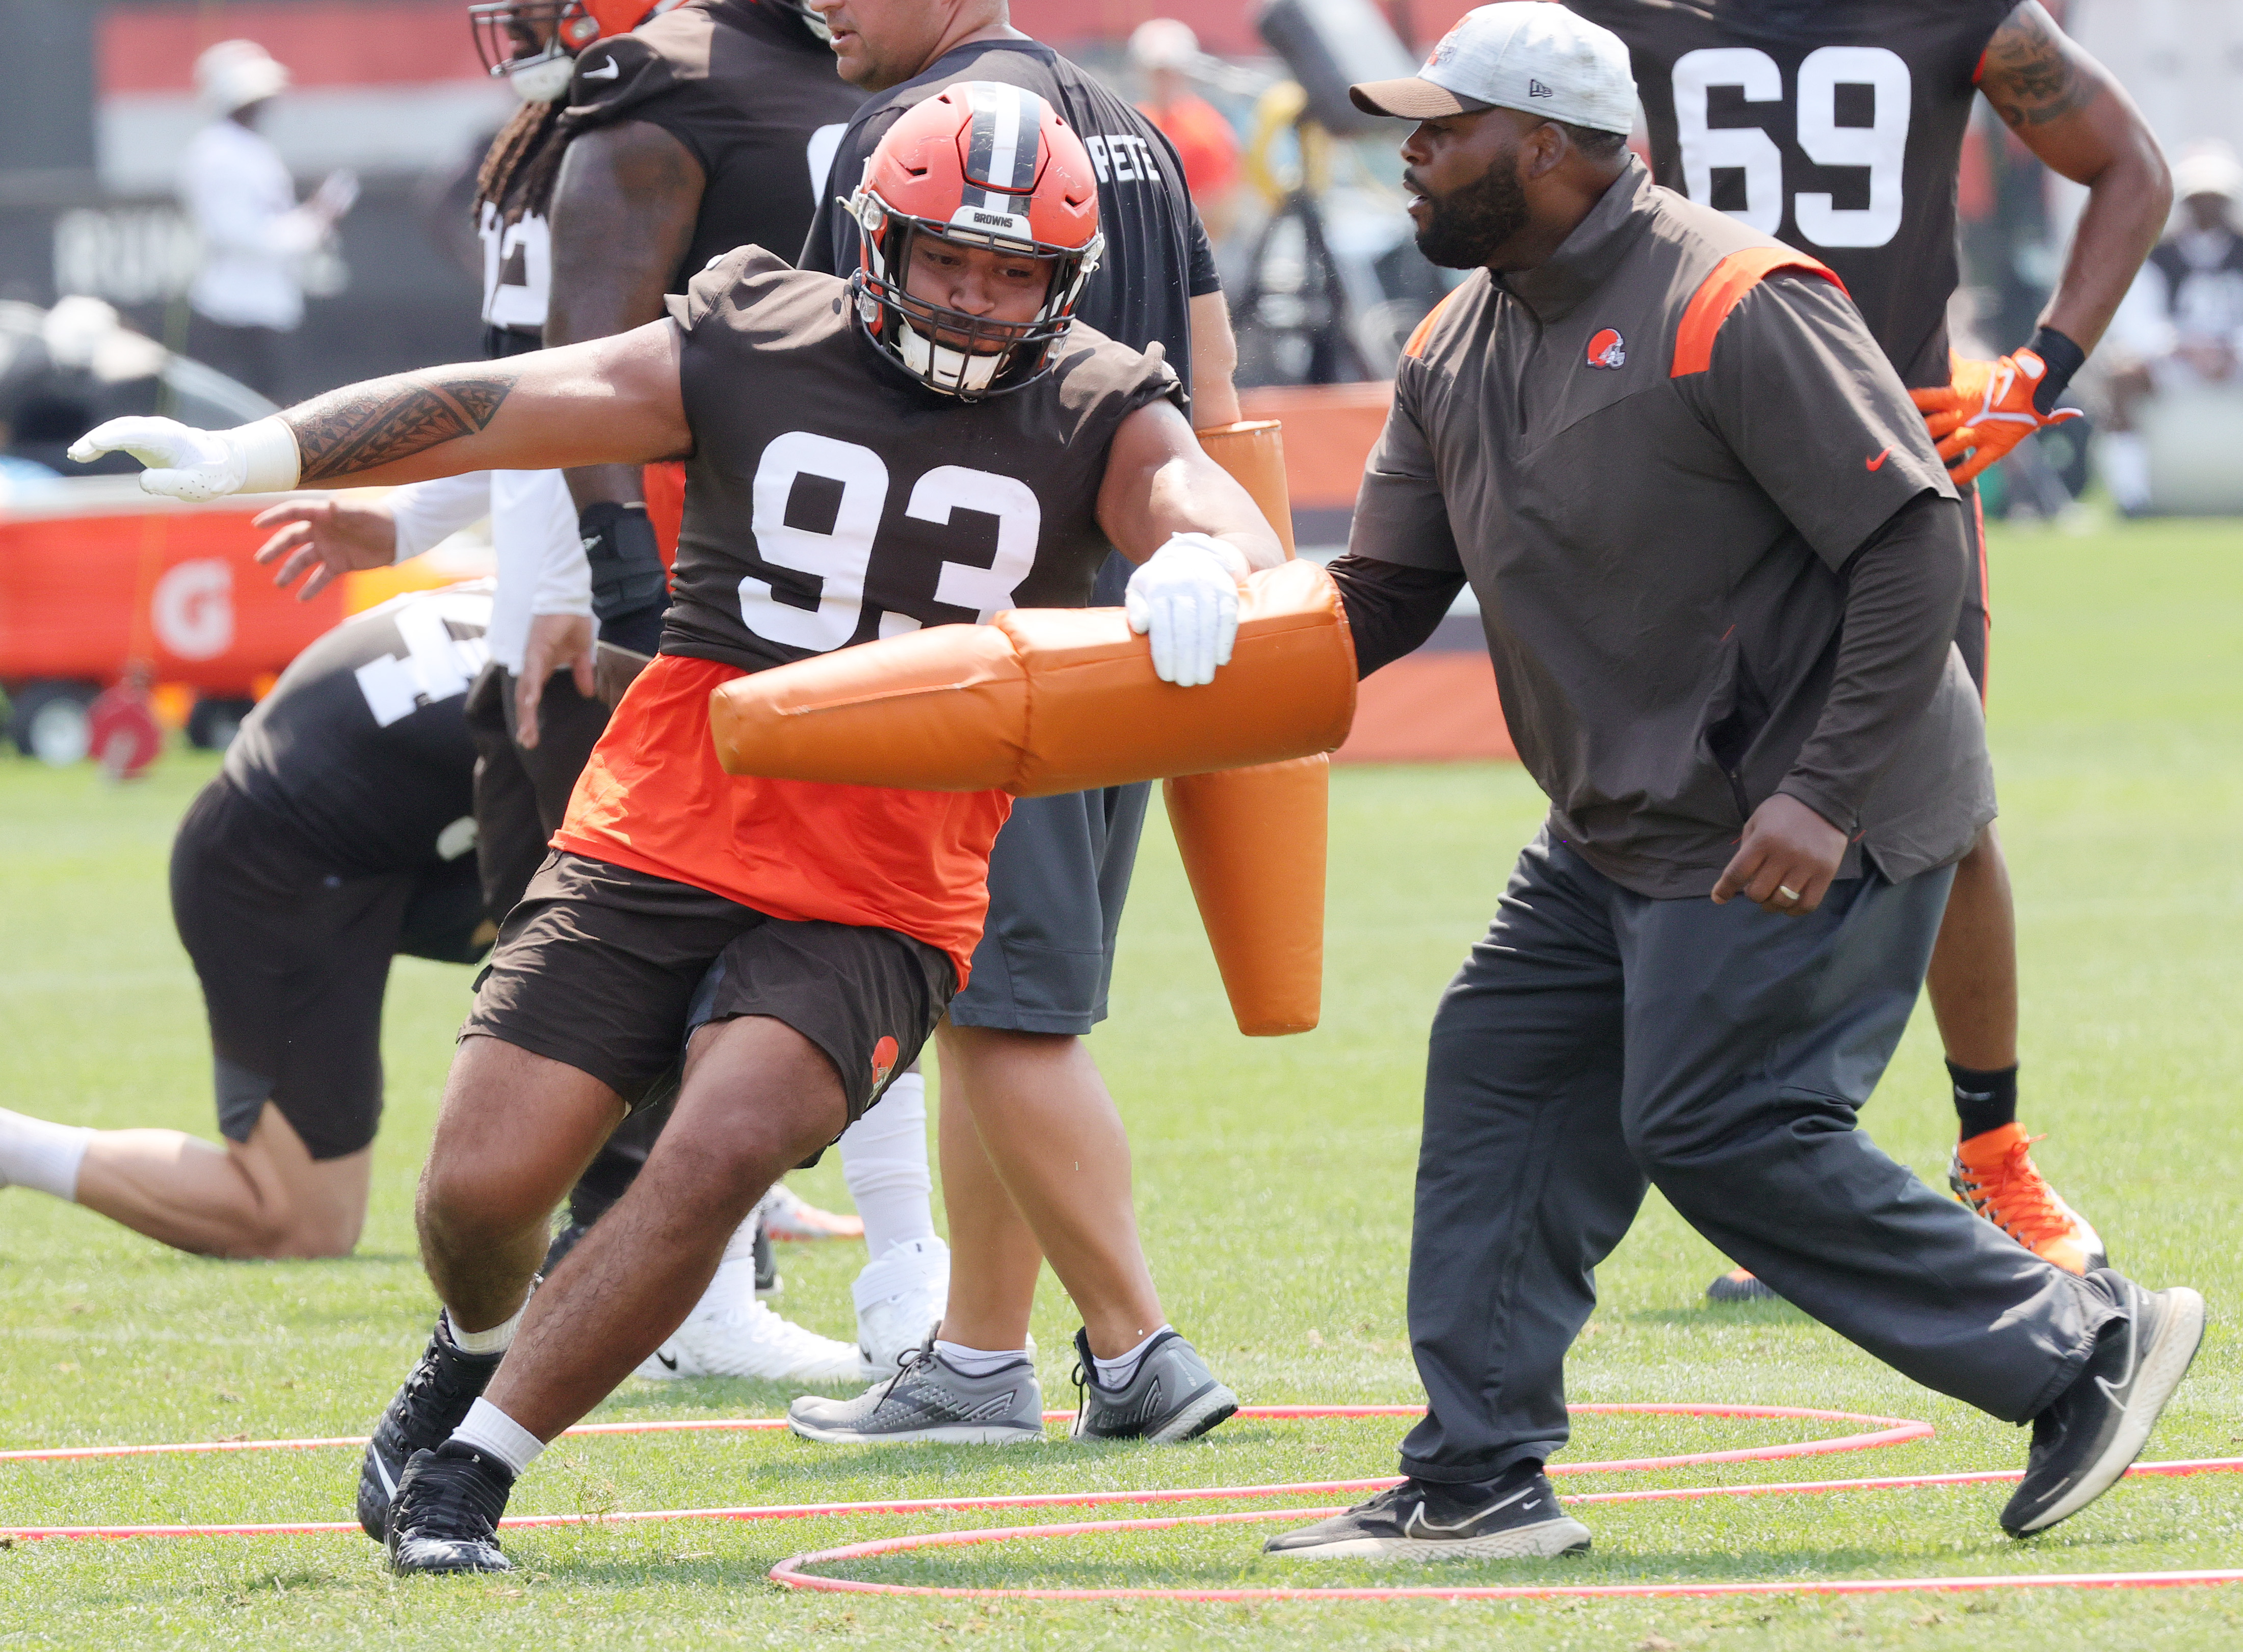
(1117, 1373)
(493, 1433)
(2124, 459)
(37, 1154)
(884, 1161)
(978, 1362)
(497, 1340)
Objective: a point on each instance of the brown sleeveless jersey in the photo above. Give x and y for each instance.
(1836, 125)
(833, 499)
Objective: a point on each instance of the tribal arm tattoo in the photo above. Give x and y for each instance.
(2029, 75)
(364, 426)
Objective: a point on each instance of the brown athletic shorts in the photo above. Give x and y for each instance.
(599, 967)
(293, 956)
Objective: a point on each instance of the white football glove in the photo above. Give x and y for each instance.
(1185, 598)
(196, 465)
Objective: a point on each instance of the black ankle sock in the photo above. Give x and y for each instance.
(1983, 1101)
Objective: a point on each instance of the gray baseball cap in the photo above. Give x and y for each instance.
(1522, 54)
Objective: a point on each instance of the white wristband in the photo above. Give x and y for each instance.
(273, 463)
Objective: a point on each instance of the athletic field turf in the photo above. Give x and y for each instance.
(1275, 1188)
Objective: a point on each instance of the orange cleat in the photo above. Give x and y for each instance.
(1994, 1174)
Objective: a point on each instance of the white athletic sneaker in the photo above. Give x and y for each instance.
(729, 1334)
(899, 1302)
(792, 1219)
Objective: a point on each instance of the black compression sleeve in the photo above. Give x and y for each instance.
(1904, 588)
(1390, 609)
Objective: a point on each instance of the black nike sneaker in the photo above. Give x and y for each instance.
(1519, 1518)
(434, 1400)
(446, 1515)
(2090, 1434)
(1171, 1397)
(768, 1283)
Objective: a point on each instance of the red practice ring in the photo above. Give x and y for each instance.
(791, 1572)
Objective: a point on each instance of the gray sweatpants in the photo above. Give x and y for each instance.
(1597, 1041)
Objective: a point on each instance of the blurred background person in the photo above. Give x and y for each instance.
(1165, 52)
(248, 294)
(2182, 323)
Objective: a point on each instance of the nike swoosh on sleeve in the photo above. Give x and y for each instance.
(1872, 464)
(612, 71)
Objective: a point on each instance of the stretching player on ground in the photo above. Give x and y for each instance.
(1035, 1163)
(1743, 102)
(730, 98)
(1718, 562)
(336, 836)
(929, 443)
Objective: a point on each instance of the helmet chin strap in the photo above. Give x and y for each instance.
(944, 368)
(543, 80)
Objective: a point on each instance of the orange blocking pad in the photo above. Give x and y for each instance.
(1429, 708)
(1253, 451)
(1044, 700)
(1252, 841)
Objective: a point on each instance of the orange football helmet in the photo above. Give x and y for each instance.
(534, 42)
(981, 164)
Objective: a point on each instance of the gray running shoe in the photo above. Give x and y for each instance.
(1173, 1396)
(927, 1400)
(1517, 1519)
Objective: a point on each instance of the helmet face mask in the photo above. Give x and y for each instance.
(982, 166)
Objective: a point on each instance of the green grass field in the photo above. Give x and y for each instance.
(1274, 1183)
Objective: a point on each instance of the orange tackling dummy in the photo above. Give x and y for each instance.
(1047, 701)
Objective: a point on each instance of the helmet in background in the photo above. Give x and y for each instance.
(534, 42)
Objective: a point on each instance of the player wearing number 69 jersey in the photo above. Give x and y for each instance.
(929, 442)
(1839, 128)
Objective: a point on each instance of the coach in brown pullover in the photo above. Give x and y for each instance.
(1719, 566)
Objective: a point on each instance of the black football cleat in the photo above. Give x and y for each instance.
(1739, 1285)
(446, 1515)
(434, 1400)
(1518, 1517)
(1172, 1397)
(2090, 1434)
(570, 1235)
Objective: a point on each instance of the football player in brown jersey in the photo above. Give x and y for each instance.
(931, 441)
(719, 111)
(1839, 128)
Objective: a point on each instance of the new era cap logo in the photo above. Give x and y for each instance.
(1536, 89)
(1607, 349)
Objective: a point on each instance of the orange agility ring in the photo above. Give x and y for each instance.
(1872, 1433)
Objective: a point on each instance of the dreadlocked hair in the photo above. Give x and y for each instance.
(524, 160)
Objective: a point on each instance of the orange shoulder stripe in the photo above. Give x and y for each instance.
(1721, 292)
(1415, 347)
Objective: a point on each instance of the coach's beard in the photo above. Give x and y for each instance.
(1463, 229)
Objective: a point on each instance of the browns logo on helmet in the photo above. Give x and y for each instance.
(1607, 349)
(980, 165)
(534, 42)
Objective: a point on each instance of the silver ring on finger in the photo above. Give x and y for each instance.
(1787, 891)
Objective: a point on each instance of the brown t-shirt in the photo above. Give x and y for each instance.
(1653, 457)
(750, 91)
(832, 498)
